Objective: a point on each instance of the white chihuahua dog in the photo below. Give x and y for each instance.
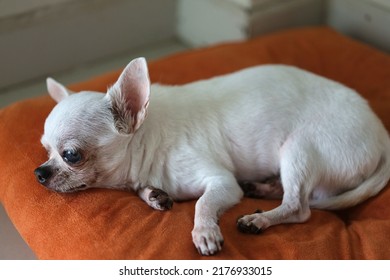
(218, 139)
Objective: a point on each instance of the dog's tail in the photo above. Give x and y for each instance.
(368, 188)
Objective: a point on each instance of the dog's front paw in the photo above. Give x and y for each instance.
(207, 239)
(160, 200)
(254, 223)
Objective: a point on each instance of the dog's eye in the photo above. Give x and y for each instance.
(71, 156)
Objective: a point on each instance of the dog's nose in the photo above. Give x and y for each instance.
(43, 174)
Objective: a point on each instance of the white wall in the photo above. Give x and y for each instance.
(12, 7)
(204, 22)
(39, 39)
(42, 37)
(366, 20)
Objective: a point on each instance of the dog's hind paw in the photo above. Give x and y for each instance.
(254, 223)
(271, 189)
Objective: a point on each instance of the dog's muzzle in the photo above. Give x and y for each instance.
(43, 174)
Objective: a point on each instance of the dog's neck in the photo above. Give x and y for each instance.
(145, 156)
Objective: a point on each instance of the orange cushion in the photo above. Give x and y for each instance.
(108, 224)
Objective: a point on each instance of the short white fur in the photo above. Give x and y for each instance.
(201, 139)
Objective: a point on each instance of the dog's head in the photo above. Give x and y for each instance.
(85, 133)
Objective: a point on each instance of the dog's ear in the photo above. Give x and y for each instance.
(129, 96)
(56, 90)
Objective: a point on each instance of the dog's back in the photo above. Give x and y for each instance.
(245, 119)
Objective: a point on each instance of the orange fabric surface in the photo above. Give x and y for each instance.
(108, 224)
